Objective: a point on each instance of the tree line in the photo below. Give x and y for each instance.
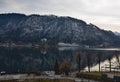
(65, 66)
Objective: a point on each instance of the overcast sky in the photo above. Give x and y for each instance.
(103, 13)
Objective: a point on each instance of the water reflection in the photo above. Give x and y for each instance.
(14, 60)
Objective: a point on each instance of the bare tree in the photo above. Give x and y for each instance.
(88, 56)
(109, 60)
(117, 59)
(65, 67)
(78, 60)
(99, 56)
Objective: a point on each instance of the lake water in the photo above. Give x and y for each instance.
(18, 60)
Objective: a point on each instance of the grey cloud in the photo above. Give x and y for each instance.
(95, 11)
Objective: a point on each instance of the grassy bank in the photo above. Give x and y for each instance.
(40, 80)
(98, 76)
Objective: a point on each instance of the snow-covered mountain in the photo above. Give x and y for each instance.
(117, 33)
(33, 28)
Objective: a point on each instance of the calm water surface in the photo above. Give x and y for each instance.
(17, 60)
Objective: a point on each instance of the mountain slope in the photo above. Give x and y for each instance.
(33, 28)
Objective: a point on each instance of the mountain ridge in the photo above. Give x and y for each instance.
(33, 28)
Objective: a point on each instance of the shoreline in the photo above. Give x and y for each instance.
(91, 76)
(100, 76)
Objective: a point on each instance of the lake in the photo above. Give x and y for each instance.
(19, 60)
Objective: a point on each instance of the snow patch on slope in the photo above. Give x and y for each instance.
(68, 44)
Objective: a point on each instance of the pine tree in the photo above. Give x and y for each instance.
(56, 67)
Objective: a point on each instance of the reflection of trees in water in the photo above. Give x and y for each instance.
(30, 59)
